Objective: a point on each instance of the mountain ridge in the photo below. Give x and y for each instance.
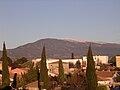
(61, 48)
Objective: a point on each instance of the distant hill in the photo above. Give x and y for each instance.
(62, 48)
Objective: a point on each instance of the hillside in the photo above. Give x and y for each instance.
(59, 48)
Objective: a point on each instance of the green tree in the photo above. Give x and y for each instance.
(21, 60)
(23, 82)
(30, 76)
(78, 64)
(90, 72)
(14, 84)
(61, 72)
(18, 82)
(71, 65)
(9, 61)
(18, 63)
(27, 64)
(72, 56)
(113, 60)
(5, 71)
(44, 78)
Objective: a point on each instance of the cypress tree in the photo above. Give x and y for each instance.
(39, 86)
(44, 78)
(61, 72)
(72, 56)
(5, 71)
(90, 72)
(14, 84)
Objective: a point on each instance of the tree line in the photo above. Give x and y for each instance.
(77, 81)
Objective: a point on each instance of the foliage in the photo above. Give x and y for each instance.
(77, 81)
(102, 87)
(90, 72)
(117, 77)
(61, 72)
(44, 78)
(30, 76)
(117, 69)
(9, 61)
(72, 56)
(104, 67)
(71, 65)
(15, 65)
(14, 84)
(78, 64)
(23, 82)
(38, 77)
(27, 64)
(113, 60)
(38, 65)
(5, 71)
(21, 60)
(18, 81)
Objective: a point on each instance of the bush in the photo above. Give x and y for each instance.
(102, 87)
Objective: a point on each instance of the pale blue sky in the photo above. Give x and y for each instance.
(24, 21)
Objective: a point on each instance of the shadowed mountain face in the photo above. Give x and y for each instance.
(58, 48)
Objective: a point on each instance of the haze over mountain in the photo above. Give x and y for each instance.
(62, 48)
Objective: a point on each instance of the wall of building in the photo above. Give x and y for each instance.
(117, 61)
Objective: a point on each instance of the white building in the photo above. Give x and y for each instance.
(98, 59)
(101, 59)
(53, 62)
(117, 58)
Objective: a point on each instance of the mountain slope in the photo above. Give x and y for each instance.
(58, 48)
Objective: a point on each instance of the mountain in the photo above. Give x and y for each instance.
(62, 48)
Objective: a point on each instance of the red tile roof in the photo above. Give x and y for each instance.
(104, 75)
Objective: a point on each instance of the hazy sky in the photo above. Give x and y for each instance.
(24, 21)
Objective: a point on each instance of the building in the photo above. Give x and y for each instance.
(32, 86)
(105, 77)
(52, 64)
(97, 59)
(101, 59)
(0, 65)
(117, 58)
(54, 67)
(20, 71)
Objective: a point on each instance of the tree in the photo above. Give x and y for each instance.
(23, 82)
(113, 60)
(78, 64)
(39, 86)
(116, 78)
(27, 64)
(61, 72)
(44, 78)
(9, 61)
(21, 60)
(72, 56)
(30, 76)
(90, 72)
(14, 84)
(71, 65)
(5, 71)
